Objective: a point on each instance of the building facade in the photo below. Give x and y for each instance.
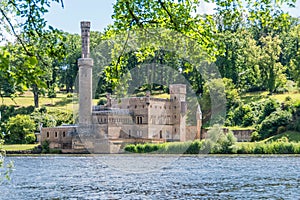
(105, 129)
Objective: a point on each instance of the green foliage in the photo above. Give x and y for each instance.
(51, 91)
(217, 142)
(45, 146)
(255, 136)
(271, 123)
(251, 114)
(102, 101)
(291, 136)
(270, 106)
(42, 118)
(55, 151)
(275, 147)
(20, 127)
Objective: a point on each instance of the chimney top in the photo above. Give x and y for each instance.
(85, 37)
(85, 24)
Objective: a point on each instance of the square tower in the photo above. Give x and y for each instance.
(178, 98)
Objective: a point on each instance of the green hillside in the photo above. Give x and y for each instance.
(292, 136)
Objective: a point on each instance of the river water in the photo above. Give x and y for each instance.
(153, 177)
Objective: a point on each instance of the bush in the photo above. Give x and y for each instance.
(55, 151)
(150, 148)
(281, 129)
(255, 136)
(221, 143)
(269, 107)
(102, 101)
(140, 148)
(30, 138)
(194, 148)
(270, 125)
(45, 146)
(19, 127)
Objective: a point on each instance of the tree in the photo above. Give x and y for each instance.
(35, 42)
(68, 67)
(291, 53)
(270, 67)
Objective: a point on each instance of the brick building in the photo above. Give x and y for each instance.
(105, 129)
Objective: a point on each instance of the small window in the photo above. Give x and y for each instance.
(135, 106)
(64, 134)
(174, 107)
(139, 120)
(175, 98)
(48, 135)
(175, 130)
(175, 116)
(143, 106)
(55, 134)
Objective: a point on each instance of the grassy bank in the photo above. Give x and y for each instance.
(19, 147)
(202, 147)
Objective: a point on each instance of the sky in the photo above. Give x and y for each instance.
(99, 12)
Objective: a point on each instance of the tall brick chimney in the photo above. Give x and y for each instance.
(85, 64)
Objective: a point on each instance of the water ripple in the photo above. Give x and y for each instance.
(202, 177)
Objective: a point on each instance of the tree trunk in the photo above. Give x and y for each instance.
(35, 91)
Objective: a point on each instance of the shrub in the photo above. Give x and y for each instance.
(270, 106)
(245, 149)
(270, 125)
(102, 101)
(194, 148)
(281, 129)
(148, 148)
(19, 127)
(55, 151)
(130, 148)
(30, 138)
(220, 142)
(45, 146)
(258, 149)
(255, 136)
(140, 148)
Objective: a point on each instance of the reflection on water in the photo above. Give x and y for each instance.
(189, 177)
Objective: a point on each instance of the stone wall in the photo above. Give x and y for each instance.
(242, 135)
